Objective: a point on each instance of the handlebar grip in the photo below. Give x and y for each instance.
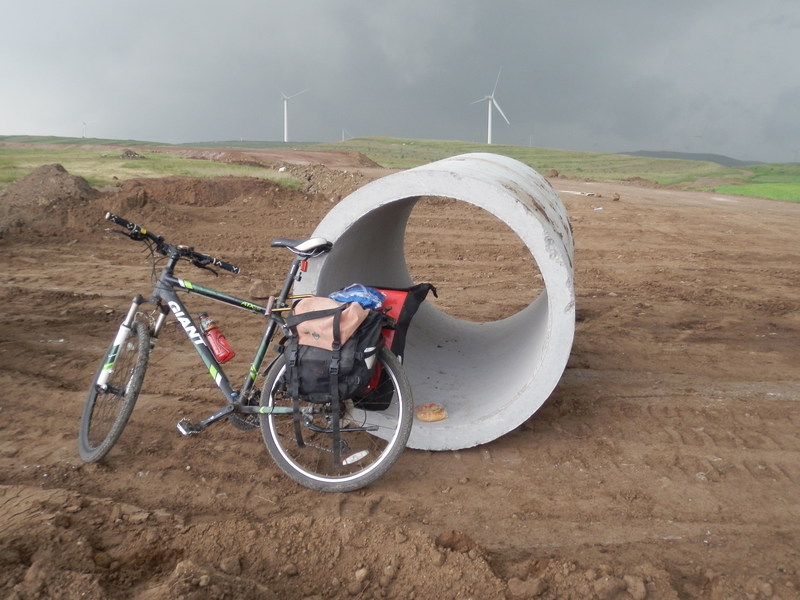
(135, 232)
(205, 260)
(119, 221)
(224, 265)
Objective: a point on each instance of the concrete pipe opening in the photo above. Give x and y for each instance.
(490, 376)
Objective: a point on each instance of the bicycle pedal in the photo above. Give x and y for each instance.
(186, 428)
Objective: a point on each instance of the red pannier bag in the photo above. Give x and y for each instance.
(401, 304)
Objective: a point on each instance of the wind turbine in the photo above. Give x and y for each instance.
(286, 113)
(489, 102)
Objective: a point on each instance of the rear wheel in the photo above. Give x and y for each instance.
(107, 411)
(370, 440)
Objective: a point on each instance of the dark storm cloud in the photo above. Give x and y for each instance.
(714, 76)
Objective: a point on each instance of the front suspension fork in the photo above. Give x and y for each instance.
(123, 333)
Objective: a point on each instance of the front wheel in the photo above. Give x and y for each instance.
(370, 440)
(107, 409)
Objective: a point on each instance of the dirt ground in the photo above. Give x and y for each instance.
(665, 465)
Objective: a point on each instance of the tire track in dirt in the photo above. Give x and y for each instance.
(21, 507)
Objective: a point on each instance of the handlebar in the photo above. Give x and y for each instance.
(139, 233)
(135, 231)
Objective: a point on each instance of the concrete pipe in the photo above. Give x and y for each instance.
(491, 377)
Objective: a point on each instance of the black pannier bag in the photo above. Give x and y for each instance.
(330, 355)
(400, 304)
(332, 350)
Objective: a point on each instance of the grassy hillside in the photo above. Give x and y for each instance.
(591, 165)
(99, 161)
(777, 182)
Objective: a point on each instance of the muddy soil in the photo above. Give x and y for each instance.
(665, 465)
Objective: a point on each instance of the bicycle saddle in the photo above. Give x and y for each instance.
(309, 247)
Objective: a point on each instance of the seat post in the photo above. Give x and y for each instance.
(289, 281)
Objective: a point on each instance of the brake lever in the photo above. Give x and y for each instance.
(136, 236)
(204, 265)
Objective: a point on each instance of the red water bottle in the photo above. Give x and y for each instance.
(216, 341)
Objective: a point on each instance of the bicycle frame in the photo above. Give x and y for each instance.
(166, 299)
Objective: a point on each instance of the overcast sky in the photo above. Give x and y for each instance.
(720, 76)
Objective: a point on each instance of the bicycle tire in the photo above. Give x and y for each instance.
(107, 412)
(365, 456)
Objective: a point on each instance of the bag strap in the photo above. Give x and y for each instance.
(291, 354)
(294, 320)
(298, 430)
(333, 371)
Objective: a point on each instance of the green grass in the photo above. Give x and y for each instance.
(101, 166)
(788, 192)
(789, 173)
(774, 182)
(72, 141)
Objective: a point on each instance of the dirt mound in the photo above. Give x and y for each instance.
(334, 173)
(334, 183)
(131, 155)
(42, 197)
(188, 191)
(340, 159)
(43, 202)
(644, 183)
(317, 181)
(47, 185)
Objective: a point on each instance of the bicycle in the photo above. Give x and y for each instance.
(370, 441)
